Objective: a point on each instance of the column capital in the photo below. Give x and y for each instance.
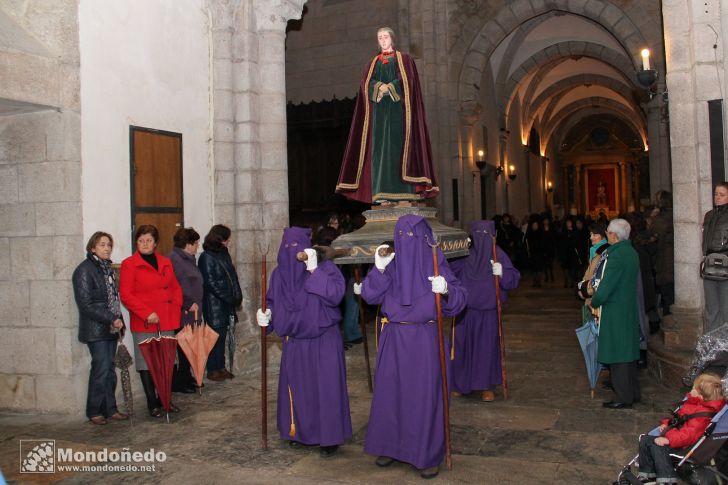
(222, 13)
(273, 15)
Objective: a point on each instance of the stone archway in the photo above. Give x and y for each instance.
(604, 103)
(531, 109)
(557, 51)
(481, 36)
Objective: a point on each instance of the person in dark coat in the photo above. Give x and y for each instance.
(535, 251)
(715, 240)
(619, 325)
(477, 359)
(99, 325)
(599, 244)
(303, 309)
(150, 291)
(550, 245)
(569, 253)
(222, 295)
(664, 232)
(186, 243)
(406, 422)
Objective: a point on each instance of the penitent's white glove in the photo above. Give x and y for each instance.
(381, 262)
(497, 268)
(439, 285)
(263, 318)
(357, 288)
(311, 260)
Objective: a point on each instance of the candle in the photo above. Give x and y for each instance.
(646, 59)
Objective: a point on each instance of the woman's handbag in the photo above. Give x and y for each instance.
(714, 267)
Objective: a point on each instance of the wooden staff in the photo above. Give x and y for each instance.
(443, 372)
(324, 253)
(500, 326)
(363, 327)
(263, 359)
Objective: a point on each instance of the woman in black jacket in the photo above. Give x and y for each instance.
(99, 325)
(222, 295)
(715, 242)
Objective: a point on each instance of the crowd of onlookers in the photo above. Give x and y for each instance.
(541, 241)
(162, 294)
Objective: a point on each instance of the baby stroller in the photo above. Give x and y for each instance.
(704, 463)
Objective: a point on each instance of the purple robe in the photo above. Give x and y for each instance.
(305, 313)
(406, 421)
(477, 364)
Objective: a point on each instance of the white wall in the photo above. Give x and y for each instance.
(145, 64)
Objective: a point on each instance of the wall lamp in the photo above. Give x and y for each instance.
(512, 172)
(549, 187)
(647, 77)
(480, 162)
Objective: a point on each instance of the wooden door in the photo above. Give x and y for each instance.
(156, 183)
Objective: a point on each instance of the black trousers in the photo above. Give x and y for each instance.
(655, 460)
(624, 381)
(101, 399)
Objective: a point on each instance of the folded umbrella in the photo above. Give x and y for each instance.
(588, 335)
(196, 341)
(231, 343)
(159, 354)
(123, 360)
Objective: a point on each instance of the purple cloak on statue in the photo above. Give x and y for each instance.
(406, 421)
(313, 404)
(477, 364)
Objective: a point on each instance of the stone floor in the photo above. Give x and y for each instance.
(548, 431)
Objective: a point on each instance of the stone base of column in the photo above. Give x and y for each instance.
(670, 353)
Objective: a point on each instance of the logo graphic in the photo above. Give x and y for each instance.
(37, 456)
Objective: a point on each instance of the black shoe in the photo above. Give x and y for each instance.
(616, 405)
(431, 472)
(150, 392)
(156, 412)
(186, 390)
(173, 408)
(356, 341)
(384, 461)
(327, 451)
(294, 444)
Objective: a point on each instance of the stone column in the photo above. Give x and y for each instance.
(251, 176)
(658, 139)
(223, 147)
(624, 192)
(691, 82)
(577, 189)
(502, 140)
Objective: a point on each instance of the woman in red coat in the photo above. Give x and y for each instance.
(150, 291)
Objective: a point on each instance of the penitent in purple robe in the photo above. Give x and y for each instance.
(406, 420)
(305, 313)
(477, 364)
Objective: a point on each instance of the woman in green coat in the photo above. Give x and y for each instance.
(616, 299)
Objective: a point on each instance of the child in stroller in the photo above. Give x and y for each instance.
(683, 430)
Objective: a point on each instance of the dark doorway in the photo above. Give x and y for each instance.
(317, 135)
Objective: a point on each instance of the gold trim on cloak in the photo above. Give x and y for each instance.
(407, 133)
